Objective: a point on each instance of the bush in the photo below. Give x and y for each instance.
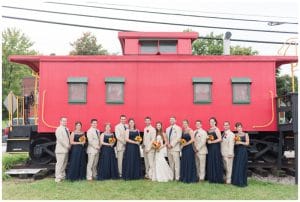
(9, 160)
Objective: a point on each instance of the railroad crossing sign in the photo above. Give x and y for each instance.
(10, 102)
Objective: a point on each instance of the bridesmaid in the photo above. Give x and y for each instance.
(240, 161)
(77, 163)
(214, 157)
(188, 170)
(131, 166)
(107, 166)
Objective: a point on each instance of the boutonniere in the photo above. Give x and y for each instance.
(147, 130)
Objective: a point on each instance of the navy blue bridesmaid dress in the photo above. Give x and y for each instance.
(131, 167)
(214, 165)
(107, 166)
(188, 170)
(240, 165)
(77, 161)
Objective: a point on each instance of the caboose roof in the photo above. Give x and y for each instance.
(34, 61)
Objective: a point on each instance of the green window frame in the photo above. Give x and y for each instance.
(241, 90)
(77, 90)
(114, 90)
(202, 85)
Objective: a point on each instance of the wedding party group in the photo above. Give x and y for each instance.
(192, 155)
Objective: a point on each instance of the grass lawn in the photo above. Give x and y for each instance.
(142, 189)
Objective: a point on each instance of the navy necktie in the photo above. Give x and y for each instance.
(124, 127)
(68, 134)
(170, 133)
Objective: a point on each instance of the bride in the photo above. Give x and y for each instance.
(161, 171)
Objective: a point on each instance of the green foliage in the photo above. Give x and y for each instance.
(14, 42)
(9, 160)
(238, 50)
(284, 84)
(213, 45)
(47, 189)
(87, 45)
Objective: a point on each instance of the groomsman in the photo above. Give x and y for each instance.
(62, 149)
(174, 133)
(121, 143)
(149, 151)
(93, 137)
(227, 150)
(200, 149)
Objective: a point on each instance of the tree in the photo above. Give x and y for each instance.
(87, 45)
(213, 45)
(284, 84)
(14, 42)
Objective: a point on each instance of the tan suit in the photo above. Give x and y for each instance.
(227, 150)
(149, 151)
(93, 137)
(174, 152)
(121, 143)
(61, 151)
(200, 146)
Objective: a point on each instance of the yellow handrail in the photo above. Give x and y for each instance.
(36, 77)
(43, 105)
(273, 114)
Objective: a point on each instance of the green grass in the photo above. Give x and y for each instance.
(142, 189)
(9, 160)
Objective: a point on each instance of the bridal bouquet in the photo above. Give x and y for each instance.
(138, 138)
(111, 140)
(156, 145)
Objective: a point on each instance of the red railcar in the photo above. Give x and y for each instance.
(156, 76)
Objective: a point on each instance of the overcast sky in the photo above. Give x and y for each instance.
(51, 38)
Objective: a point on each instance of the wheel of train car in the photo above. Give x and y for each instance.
(42, 150)
(267, 149)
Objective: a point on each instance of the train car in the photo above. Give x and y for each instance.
(156, 76)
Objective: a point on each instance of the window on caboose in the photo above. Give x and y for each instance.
(202, 90)
(114, 90)
(77, 89)
(241, 90)
(158, 46)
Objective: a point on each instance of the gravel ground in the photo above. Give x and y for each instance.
(271, 178)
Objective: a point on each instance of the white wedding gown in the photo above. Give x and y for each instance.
(161, 169)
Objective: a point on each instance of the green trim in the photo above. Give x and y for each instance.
(114, 80)
(77, 101)
(242, 101)
(202, 80)
(240, 80)
(203, 101)
(77, 80)
(114, 101)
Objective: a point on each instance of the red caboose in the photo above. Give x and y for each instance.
(156, 76)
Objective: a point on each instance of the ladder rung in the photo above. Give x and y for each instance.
(16, 139)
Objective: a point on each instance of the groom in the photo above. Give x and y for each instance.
(149, 138)
(174, 133)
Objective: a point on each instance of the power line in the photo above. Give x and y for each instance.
(151, 22)
(123, 30)
(164, 13)
(222, 13)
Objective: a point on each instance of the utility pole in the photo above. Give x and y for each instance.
(226, 43)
